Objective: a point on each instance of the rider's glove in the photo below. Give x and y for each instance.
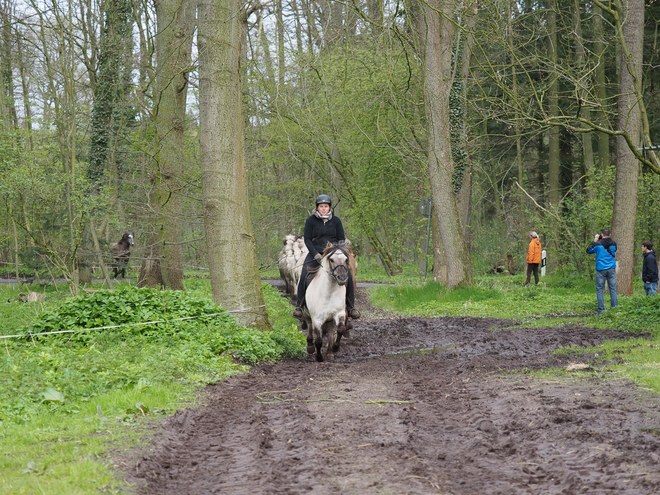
(318, 257)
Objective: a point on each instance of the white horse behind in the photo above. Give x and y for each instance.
(290, 262)
(326, 302)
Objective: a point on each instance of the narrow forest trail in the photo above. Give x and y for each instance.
(415, 406)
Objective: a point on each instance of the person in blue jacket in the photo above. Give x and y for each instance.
(605, 249)
(321, 227)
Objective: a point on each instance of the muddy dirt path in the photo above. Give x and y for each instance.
(415, 406)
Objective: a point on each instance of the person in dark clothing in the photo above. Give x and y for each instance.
(649, 269)
(605, 249)
(322, 227)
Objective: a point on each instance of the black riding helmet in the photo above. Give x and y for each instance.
(323, 198)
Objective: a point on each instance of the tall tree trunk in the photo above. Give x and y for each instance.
(230, 240)
(175, 20)
(553, 108)
(587, 144)
(437, 33)
(108, 91)
(601, 89)
(464, 195)
(27, 108)
(439, 259)
(6, 67)
(522, 198)
(280, 44)
(627, 168)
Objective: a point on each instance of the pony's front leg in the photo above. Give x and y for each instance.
(317, 332)
(341, 329)
(331, 332)
(310, 336)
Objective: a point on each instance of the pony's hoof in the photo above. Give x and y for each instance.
(319, 357)
(335, 348)
(329, 356)
(311, 349)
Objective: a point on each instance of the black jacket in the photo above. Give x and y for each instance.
(318, 233)
(650, 267)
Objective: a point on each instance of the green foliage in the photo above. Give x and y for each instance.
(637, 313)
(59, 372)
(349, 119)
(127, 306)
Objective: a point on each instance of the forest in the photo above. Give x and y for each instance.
(206, 129)
(209, 128)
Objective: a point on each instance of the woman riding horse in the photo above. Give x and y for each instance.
(322, 227)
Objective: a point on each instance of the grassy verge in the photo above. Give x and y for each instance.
(66, 399)
(496, 297)
(557, 302)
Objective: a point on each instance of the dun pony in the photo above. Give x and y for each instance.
(121, 252)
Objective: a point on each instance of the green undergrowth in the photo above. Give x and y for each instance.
(64, 396)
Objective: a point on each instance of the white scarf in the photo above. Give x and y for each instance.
(325, 218)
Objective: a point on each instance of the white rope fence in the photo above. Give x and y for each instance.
(129, 324)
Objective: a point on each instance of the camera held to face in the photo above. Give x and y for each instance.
(600, 237)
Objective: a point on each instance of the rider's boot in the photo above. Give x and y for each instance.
(353, 313)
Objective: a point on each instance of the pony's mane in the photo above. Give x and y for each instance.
(330, 249)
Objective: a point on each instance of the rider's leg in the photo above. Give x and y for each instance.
(302, 286)
(350, 298)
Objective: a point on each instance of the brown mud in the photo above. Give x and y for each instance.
(415, 406)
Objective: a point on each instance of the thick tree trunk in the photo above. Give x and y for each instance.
(150, 272)
(439, 259)
(587, 145)
(438, 32)
(627, 168)
(464, 195)
(553, 108)
(175, 20)
(229, 236)
(281, 61)
(601, 90)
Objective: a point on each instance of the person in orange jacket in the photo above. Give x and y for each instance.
(533, 257)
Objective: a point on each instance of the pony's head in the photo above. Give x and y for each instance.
(129, 237)
(336, 257)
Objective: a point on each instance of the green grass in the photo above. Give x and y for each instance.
(65, 400)
(496, 297)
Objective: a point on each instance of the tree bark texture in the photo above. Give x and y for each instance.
(601, 90)
(627, 166)
(438, 32)
(173, 59)
(230, 240)
(553, 109)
